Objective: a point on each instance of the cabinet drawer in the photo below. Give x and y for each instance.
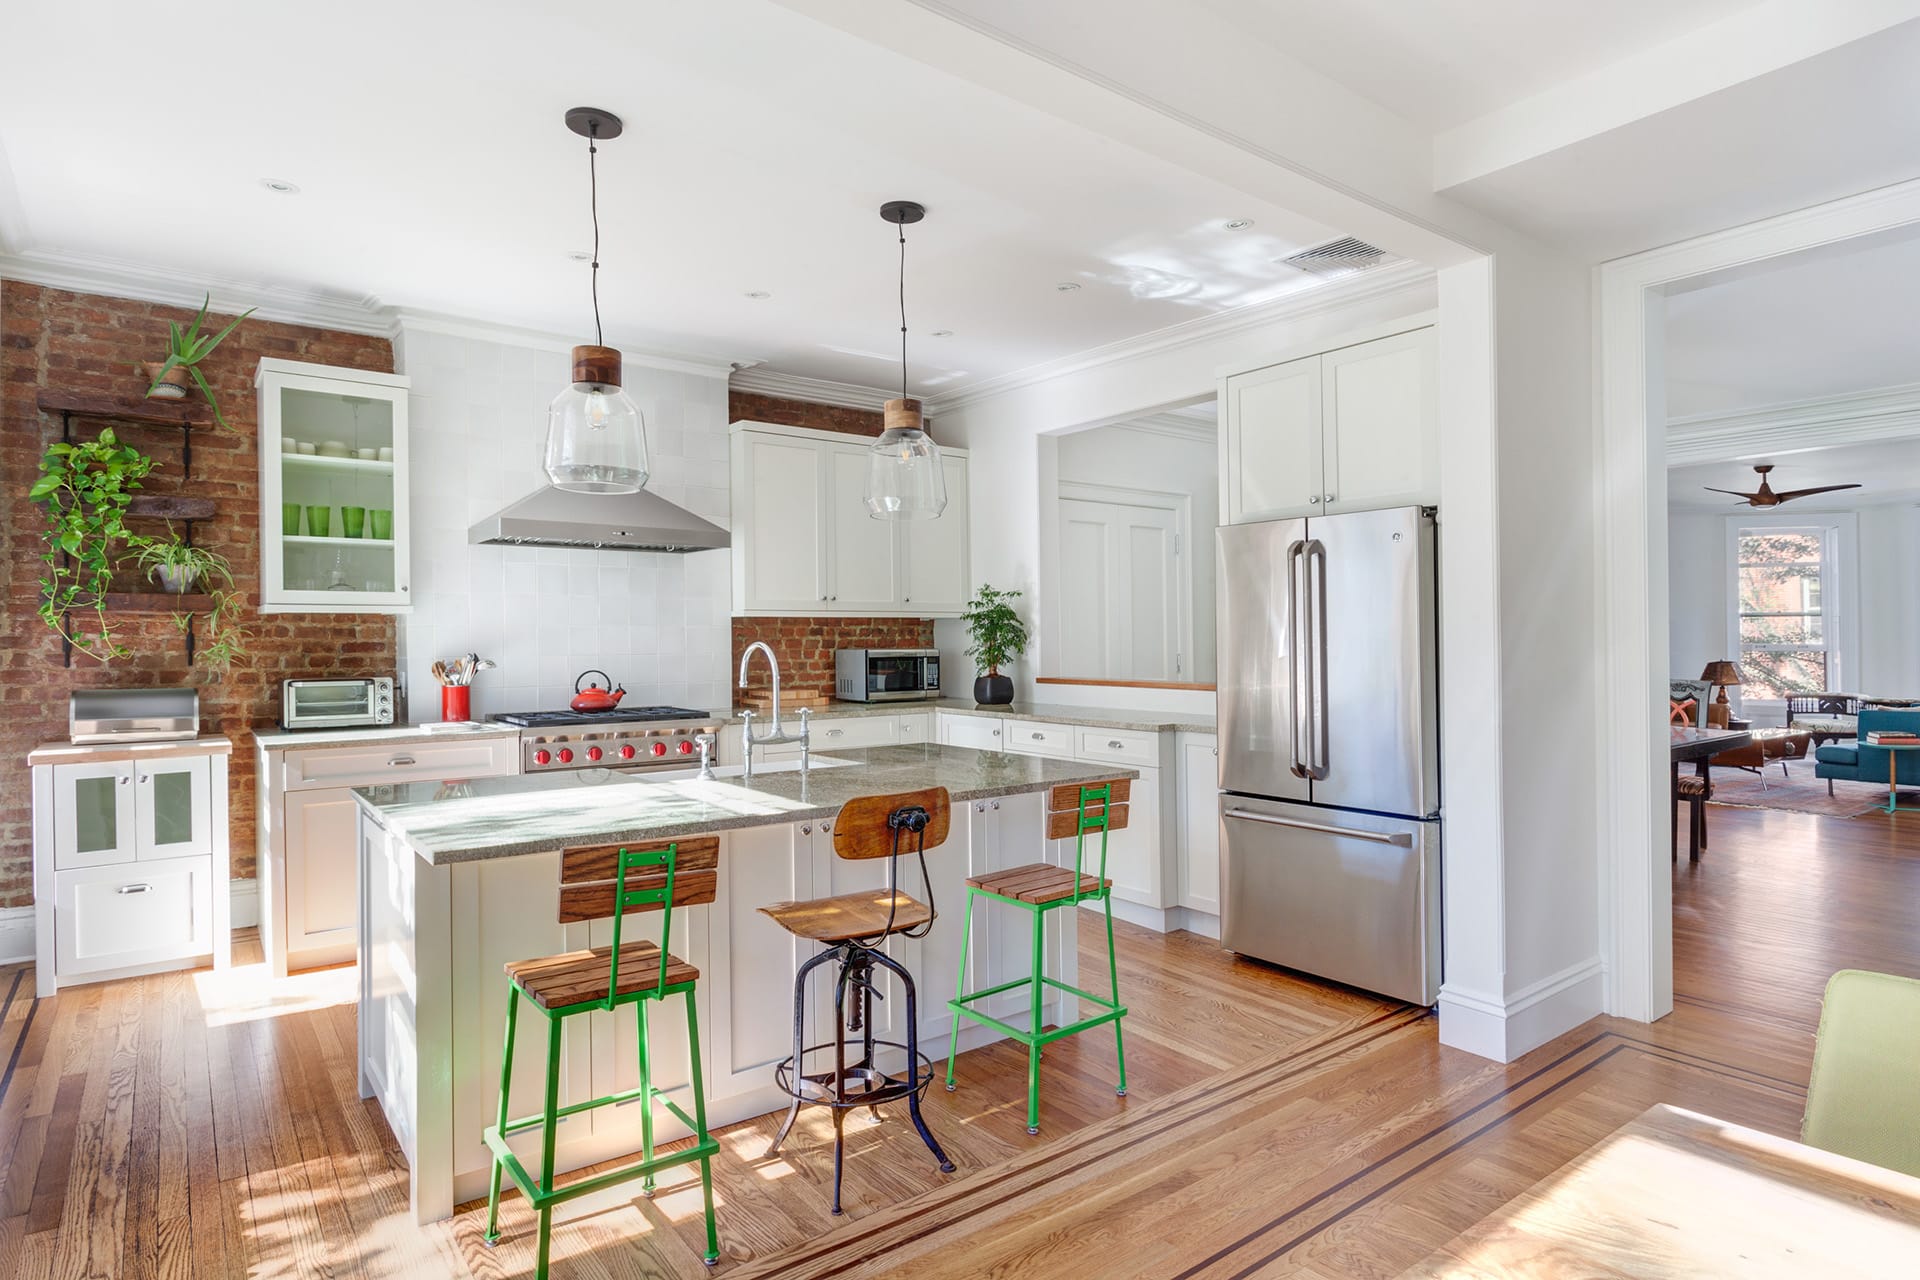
(1124, 746)
(401, 762)
(982, 733)
(855, 731)
(1038, 738)
(133, 914)
(917, 727)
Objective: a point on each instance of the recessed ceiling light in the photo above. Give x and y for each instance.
(941, 333)
(280, 185)
(1066, 286)
(579, 255)
(1239, 224)
(759, 295)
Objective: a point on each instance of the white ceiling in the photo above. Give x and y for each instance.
(1438, 63)
(1885, 472)
(436, 175)
(1826, 322)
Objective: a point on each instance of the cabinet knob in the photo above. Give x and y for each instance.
(826, 828)
(124, 780)
(996, 804)
(1314, 500)
(1115, 744)
(1329, 497)
(980, 808)
(833, 597)
(807, 830)
(996, 733)
(1038, 736)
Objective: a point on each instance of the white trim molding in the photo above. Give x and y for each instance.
(1504, 1029)
(1864, 417)
(16, 934)
(1636, 889)
(760, 380)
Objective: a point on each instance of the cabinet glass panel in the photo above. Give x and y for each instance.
(96, 814)
(338, 500)
(173, 807)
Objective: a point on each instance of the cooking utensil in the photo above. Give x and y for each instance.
(594, 697)
(440, 671)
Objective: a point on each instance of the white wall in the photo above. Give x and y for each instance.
(1123, 457)
(659, 624)
(1697, 586)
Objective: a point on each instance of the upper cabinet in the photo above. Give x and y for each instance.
(804, 544)
(334, 519)
(1352, 429)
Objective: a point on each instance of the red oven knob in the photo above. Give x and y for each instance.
(686, 748)
(566, 755)
(543, 756)
(626, 752)
(659, 748)
(593, 753)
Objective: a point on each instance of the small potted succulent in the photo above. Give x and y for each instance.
(186, 348)
(996, 636)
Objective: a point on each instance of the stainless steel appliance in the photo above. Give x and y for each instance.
(626, 738)
(336, 704)
(886, 675)
(133, 715)
(1329, 748)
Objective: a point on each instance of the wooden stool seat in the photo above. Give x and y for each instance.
(1036, 882)
(850, 915)
(1690, 785)
(554, 982)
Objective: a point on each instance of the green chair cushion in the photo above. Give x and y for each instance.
(1864, 1098)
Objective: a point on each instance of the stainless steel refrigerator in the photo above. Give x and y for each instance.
(1329, 748)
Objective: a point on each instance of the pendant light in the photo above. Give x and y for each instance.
(596, 438)
(905, 480)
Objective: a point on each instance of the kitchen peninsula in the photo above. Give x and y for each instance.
(458, 878)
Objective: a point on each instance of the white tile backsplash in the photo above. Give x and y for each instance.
(655, 623)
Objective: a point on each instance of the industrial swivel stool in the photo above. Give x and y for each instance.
(595, 883)
(1037, 889)
(854, 927)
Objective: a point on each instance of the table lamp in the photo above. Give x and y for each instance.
(1721, 673)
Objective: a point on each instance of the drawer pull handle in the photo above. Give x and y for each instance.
(1039, 737)
(1116, 744)
(834, 733)
(134, 888)
(996, 733)
(399, 761)
(1400, 839)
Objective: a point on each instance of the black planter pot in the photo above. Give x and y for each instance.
(993, 691)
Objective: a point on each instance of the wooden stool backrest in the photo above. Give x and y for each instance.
(597, 881)
(861, 830)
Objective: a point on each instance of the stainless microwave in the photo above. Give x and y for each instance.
(886, 675)
(336, 704)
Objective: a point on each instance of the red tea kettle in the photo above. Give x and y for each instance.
(596, 697)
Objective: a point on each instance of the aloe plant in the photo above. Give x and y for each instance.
(187, 348)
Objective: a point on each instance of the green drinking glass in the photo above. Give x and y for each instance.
(382, 524)
(319, 522)
(353, 521)
(290, 519)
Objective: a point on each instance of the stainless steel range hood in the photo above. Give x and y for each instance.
(640, 521)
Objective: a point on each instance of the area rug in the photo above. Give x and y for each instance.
(1800, 792)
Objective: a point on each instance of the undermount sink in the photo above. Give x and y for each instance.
(725, 771)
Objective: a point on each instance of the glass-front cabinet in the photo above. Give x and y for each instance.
(334, 522)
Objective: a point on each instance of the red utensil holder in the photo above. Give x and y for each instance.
(456, 702)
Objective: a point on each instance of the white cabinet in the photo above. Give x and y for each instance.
(335, 524)
(320, 903)
(804, 543)
(1353, 429)
(982, 733)
(1136, 861)
(1199, 823)
(130, 859)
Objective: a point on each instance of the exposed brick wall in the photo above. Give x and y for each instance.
(805, 645)
(750, 406)
(81, 342)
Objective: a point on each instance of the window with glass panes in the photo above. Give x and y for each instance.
(1786, 642)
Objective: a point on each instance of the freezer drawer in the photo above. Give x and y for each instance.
(1347, 896)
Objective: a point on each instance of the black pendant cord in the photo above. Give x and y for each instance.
(593, 197)
(903, 311)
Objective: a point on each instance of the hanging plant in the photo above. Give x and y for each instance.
(185, 350)
(85, 489)
(179, 568)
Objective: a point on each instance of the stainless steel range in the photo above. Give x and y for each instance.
(622, 738)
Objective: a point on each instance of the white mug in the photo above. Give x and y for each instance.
(366, 455)
(386, 453)
(288, 444)
(307, 448)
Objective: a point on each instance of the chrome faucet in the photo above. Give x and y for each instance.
(774, 733)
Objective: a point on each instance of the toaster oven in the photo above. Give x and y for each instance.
(336, 704)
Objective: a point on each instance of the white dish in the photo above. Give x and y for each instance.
(386, 453)
(366, 455)
(333, 449)
(288, 445)
(306, 448)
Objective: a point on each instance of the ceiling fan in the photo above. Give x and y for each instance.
(1766, 497)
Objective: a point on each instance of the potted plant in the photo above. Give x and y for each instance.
(177, 566)
(996, 635)
(85, 488)
(185, 350)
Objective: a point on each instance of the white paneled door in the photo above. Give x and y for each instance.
(1123, 610)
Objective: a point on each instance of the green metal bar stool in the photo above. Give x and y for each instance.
(595, 883)
(1037, 889)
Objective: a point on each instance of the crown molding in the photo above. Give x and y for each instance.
(1171, 425)
(406, 320)
(761, 380)
(1862, 417)
(1411, 278)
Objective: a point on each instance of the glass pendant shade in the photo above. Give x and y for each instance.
(596, 436)
(905, 480)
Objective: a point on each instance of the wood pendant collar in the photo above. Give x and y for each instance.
(597, 368)
(900, 415)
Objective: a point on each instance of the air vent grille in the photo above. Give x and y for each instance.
(1336, 257)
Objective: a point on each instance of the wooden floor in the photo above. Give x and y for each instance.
(188, 1126)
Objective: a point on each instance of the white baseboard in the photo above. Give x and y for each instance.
(16, 923)
(1503, 1029)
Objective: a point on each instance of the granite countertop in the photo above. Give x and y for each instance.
(274, 738)
(538, 813)
(1095, 717)
(105, 752)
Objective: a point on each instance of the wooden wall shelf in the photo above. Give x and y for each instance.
(156, 413)
(158, 507)
(157, 602)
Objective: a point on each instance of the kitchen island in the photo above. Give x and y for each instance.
(456, 879)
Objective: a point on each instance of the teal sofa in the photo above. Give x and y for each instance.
(1856, 761)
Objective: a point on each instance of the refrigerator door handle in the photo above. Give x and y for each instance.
(1400, 839)
(1296, 658)
(1318, 755)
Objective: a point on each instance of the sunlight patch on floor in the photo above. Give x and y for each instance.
(248, 992)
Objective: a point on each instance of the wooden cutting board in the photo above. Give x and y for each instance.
(790, 699)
